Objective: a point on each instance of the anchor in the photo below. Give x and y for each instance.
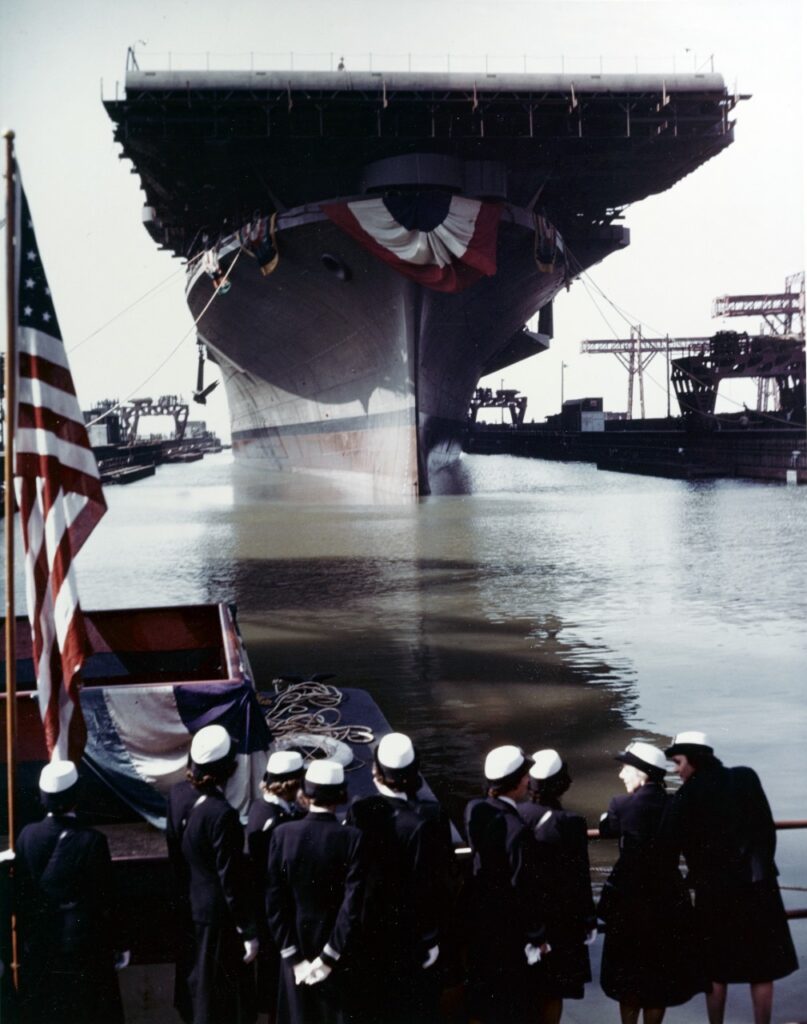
(201, 392)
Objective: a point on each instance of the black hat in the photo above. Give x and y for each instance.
(645, 757)
(690, 742)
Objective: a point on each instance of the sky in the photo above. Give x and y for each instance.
(736, 225)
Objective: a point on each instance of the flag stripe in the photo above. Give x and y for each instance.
(35, 416)
(39, 368)
(38, 343)
(38, 392)
(58, 492)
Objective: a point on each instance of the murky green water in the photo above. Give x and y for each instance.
(546, 605)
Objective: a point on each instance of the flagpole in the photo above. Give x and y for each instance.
(8, 478)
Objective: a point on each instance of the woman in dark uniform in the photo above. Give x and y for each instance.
(276, 805)
(506, 933)
(315, 887)
(722, 822)
(407, 891)
(66, 907)
(206, 848)
(565, 881)
(648, 960)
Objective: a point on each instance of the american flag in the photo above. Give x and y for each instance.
(58, 492)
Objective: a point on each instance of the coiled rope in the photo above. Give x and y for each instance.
(311, 708)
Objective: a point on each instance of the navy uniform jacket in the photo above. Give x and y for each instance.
(650, 954)
(505, 912)
(565, 882)
(505, 892)
(721, 820)
(64, 873)
(264, 817)
(66, 905)
(315, 887)
(405, 891)
(206, 847)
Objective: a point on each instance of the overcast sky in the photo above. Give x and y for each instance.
(734, 226)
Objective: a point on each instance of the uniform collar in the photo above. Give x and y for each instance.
(273, 798)
(391, 793)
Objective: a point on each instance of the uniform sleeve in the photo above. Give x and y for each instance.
(348, 919)
(525, 880)
(428, 882)
(279, 903)
(233, 872)
(610, 825)
(580, 870)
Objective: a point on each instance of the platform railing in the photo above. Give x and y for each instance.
(797, 913)
(140, 59)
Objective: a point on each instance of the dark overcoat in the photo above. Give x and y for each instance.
(66, 905)
(565, 881)
(721, 821)
(407, 889)
(264, 817)
(206, 848)
(314, 897)
(505, 912)
(649, 954)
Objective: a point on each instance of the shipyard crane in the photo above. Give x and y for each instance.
(782, 314)
(167, 405)
(636, 352)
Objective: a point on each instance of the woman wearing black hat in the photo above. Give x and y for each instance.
(565, 880)
(648, 960)
(722, 822)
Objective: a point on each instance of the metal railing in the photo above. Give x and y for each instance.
(799, 913)
(139, 59)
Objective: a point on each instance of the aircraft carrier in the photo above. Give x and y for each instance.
(362, 248)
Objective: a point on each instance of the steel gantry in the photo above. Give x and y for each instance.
(636, 352)
(782, 314)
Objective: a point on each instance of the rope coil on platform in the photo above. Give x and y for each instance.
(307, 714)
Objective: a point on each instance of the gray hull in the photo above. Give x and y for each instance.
(358, 369)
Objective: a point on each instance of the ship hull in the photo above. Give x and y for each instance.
(344, 365)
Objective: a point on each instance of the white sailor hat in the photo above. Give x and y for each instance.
(211, 743)
(325, 782)
(325, 773)
(644, 756)
(395, 751)
(57, 776)
(284, 764)
(545, 764)
(504, 761)
(693, 739)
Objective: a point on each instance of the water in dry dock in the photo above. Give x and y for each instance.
(545, 604)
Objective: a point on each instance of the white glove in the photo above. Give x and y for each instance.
(250, 950)
(300, 971)
(591, 937)
(533, 953)
(319, 972)
(122, 959)
(7, 855)
(431, 957)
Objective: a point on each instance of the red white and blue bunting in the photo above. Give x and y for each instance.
(442, 241)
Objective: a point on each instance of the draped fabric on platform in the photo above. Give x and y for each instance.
(58, 491)
(139, 737)
(442, 241)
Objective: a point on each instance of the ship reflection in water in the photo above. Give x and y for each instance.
(547, 605)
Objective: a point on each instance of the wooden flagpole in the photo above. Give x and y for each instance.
(8, 476)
